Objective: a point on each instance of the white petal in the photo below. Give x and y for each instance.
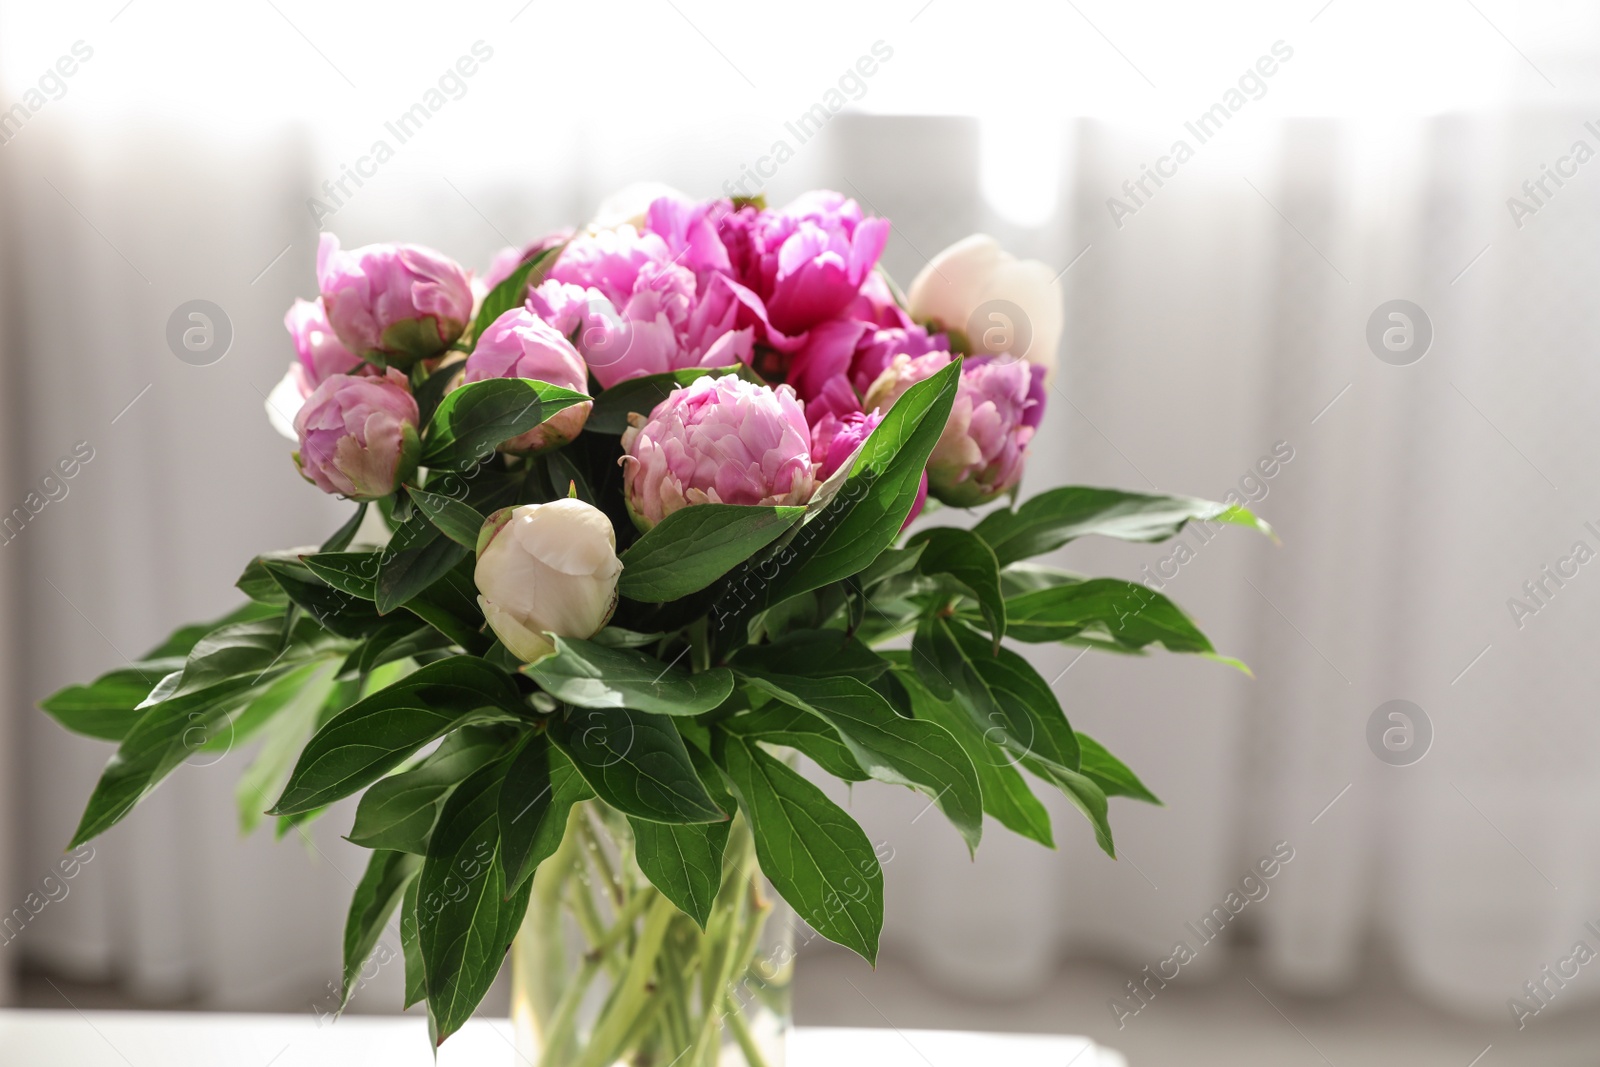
(285, 402)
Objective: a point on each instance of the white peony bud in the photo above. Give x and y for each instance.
(1001, 304)
(546, 569)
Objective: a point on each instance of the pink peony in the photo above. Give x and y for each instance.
(318, 348)
(358, 435)
(901, 374)
(510, 258)
(807, 261)
(393, 304)
(717, 440)
(835, 438)
(519, 344)
(983, 448)
(638, 312)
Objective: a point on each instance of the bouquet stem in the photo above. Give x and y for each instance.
(608, 971)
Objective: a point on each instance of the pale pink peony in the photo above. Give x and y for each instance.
(717, 440)
(901, 374)
(358, 435)
(636, 311)
(984, 446)
(393, 304)
(317, 348)
(519, 344)
(510, 258)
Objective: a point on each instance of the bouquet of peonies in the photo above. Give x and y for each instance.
(628, 533)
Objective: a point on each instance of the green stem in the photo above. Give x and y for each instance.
(747, 1041)
(628, 998)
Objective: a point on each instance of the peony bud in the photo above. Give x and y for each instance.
(318, 352)
(984, 445)
(318, 348)
(901, 374)
(1001, 304)
(393, 304)
(835, 438)
(519, 344)
(717, 440)
(358, 435)
(546, 569)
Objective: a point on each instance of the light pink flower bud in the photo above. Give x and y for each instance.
(519, 344)
(983, 448)
(717, 440)
(358, 435)
(393, 304)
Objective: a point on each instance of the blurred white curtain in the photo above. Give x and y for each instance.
(1222, 318)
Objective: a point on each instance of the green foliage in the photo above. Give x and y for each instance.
(742, 632)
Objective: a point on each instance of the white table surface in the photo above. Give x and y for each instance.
(171, 1039)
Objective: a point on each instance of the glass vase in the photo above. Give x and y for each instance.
(607, 971)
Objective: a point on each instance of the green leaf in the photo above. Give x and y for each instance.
(411, 946)
(1129, 613)
(694, 546)
(1004, 695)
(367, 740)
(816, 856)
(684, 862)
(845, 531)
(345, 534)
(467, 917)
(596, 676)
(106, 708)
(398, 812)
(457, 521)
(910, 752)
(165, 734)
(640, 396)
(417, 556)
(541, 785)
(1049, 520)
(811, 653)
(785, 725)
(335, 610)
(354, 573)
(376, 897)
(474, 419)
(1006, 795)
(1085, 795)
(188, 708)
(636, 762)
(1109, 773)
(182, 640)
(512, 292)
(964, 556)
(288, 712)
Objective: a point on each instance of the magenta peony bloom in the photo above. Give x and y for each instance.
(981, 453)
(519, 344)
(835, 438)
(807, 261)
(358, 435)
(318, 348)
(393, 304)
(717, 440)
